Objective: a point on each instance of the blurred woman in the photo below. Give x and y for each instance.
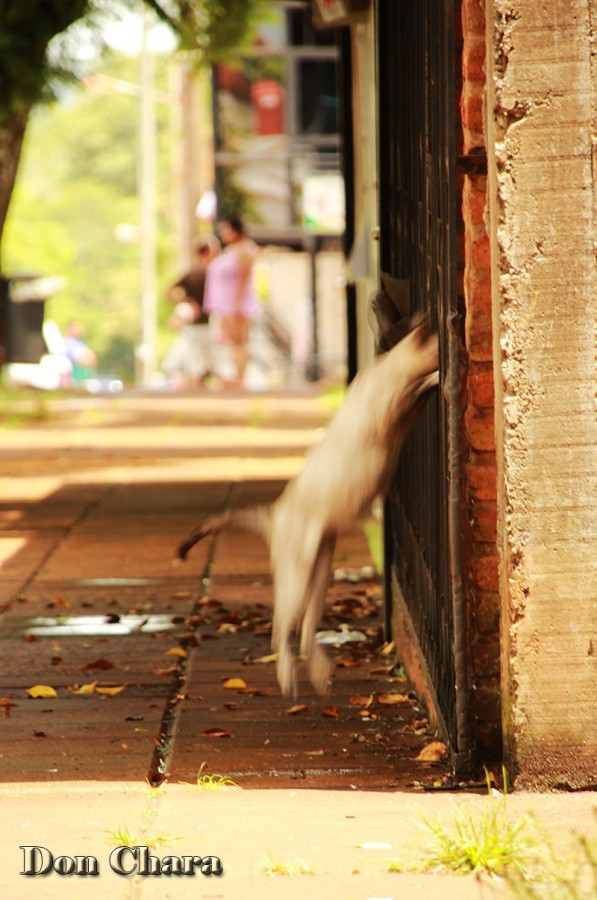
(229, 291)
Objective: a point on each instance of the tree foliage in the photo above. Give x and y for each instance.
(78, 184)
(33, 56)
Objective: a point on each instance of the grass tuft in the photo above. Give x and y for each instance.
(276, 866)
(492, 844)
(214, 782)
(122, 837)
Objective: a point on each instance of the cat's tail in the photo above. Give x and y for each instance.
(252, 518)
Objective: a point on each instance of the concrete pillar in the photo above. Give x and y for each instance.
(540, 111)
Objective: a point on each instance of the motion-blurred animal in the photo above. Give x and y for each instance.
(353, 464)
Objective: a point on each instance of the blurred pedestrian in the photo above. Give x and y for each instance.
(83, 359)
(189, 360)
(229, 291)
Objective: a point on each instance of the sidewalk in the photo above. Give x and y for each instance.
(156, 673)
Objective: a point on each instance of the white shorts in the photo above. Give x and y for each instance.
(190, 354)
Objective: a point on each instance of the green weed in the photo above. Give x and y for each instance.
(492, 844)
(276, 866)
(215, 782)
(122, 837)
(332, 398)
(374, 534)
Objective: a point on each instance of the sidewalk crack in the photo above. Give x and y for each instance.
(164, 743)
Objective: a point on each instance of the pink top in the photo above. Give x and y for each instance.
(221, 287)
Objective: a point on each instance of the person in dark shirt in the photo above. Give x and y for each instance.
(188, 361)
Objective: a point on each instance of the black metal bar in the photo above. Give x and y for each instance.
(417, 215)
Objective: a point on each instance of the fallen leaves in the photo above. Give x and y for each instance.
(7, 704)
(270, 658)
(216, 733)
(347, 663)
(61, 602)
(296, 709)
(46, 691)
(110, 690)
(360, 700)
(84, 689)
(393, 699)
(234, 684)
(241, 686)
(165, 670)
(41, 691)
(99, 664)
(433, 752)
(176, 651)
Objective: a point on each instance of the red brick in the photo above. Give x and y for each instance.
(481, 389)
(481, 253)
(486, 612)
(473, 18)
(484, 573)
(473, 59)
(479, 339)
(471, 110)
(477, 291)
(482, 482)
(481, 432)
(484, 521)
(486, 656)
(474, 197)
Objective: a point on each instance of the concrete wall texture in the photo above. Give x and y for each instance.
(540, 118)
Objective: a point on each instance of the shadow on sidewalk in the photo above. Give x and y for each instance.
(153, 672)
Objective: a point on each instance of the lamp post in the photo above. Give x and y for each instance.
(146, 351)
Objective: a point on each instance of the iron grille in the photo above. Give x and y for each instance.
(418, 223)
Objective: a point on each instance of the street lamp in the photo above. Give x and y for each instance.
(146, 351)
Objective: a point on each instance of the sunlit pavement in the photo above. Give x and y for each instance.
(149, 673)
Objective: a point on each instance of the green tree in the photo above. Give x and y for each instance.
(78, 183)
(33, 59)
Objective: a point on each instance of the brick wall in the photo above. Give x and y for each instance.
(480, 575)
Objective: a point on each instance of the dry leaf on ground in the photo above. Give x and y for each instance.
(175, 651)
(99, 664)
(393, 699)
(169, 670)
(433, 752)
(234, 684)
(360, 700)
(7, 703)
(82, 688)
(110, 690)
(297, 708)
(332, 712)
(43, 691)
(216, 733)
(272, 657)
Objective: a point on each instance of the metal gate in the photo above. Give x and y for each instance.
(417, 234)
